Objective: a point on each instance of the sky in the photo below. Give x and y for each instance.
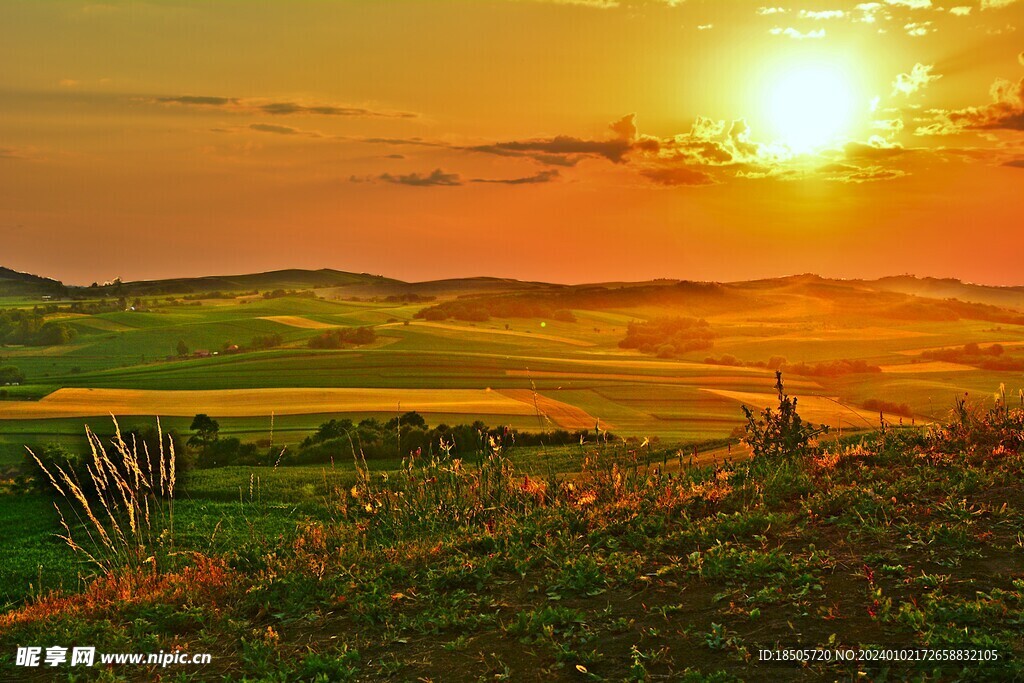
(555, 140)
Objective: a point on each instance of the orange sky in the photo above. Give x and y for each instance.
(571, 141)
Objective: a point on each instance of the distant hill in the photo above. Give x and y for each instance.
(16, 283)
(949, 288)
(342, 284)
(276, 279)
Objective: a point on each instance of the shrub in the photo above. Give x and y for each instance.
(781, 432)
(343, 336)
(11, 375)
(668, 337)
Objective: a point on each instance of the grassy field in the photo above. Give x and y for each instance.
(578, 363)
(499, 569)
(605, 560)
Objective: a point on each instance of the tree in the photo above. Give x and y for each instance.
(205, 429)
(181, 348)
(11, 375)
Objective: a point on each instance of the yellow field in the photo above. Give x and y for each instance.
(839, 333)
(918, 352)
(65, 403)
(821, 409)
(563, 414)
(490, 330)
(689, 380)
(930, 366)
(297, 321)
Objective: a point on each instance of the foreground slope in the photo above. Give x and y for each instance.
(461, 572)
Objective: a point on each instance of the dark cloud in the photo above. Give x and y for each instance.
(198, 100)
(680, 175)
(436, 179)
(279, 130)
(402, 141)
(285, 108)
(281, 108)
(614, 151)
(874, 149)
(1005, 112)
(872, 175)
(9, 153)
(1015, 163)
(542, 177)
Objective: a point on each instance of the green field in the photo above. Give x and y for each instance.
(577, 363)
(532, 580)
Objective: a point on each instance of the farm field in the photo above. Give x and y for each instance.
(643, 385)
(503, 369)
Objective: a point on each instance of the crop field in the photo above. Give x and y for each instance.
(460, 368)
(567, 540)
(77, 402)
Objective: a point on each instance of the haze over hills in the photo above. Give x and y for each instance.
(337, 283)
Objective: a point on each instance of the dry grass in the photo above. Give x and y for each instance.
(124, 507)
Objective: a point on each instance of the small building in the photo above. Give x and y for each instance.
(202, 353)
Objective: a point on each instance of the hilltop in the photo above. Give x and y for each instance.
(331, 283)
(14, 283)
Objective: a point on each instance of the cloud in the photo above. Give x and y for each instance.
(918, 79)
(891, 126)
(198, 100)
(280, 108)
(565, 150)
(766, 11)
(822, 14)
(541, 177)
(793, 33)
(597, 4)
(1020, 58)
(680, 175)
(1005, 112)
(996, 4)
(870, 175)
(9, 153)
(912, 4)
(285, 108)
(874, 149)
(918, 28)
(1015, 163)
(279, 130)
(870, 12)
(436, 179)
(962, 11)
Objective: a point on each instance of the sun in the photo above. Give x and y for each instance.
(810, 106)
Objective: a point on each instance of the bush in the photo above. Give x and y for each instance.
(11, 375)
(880, 406)
(668, 337)
(780, 433)
(343, 336)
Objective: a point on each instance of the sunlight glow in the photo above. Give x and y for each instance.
(810, 106)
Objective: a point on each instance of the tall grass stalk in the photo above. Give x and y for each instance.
(124, 509)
